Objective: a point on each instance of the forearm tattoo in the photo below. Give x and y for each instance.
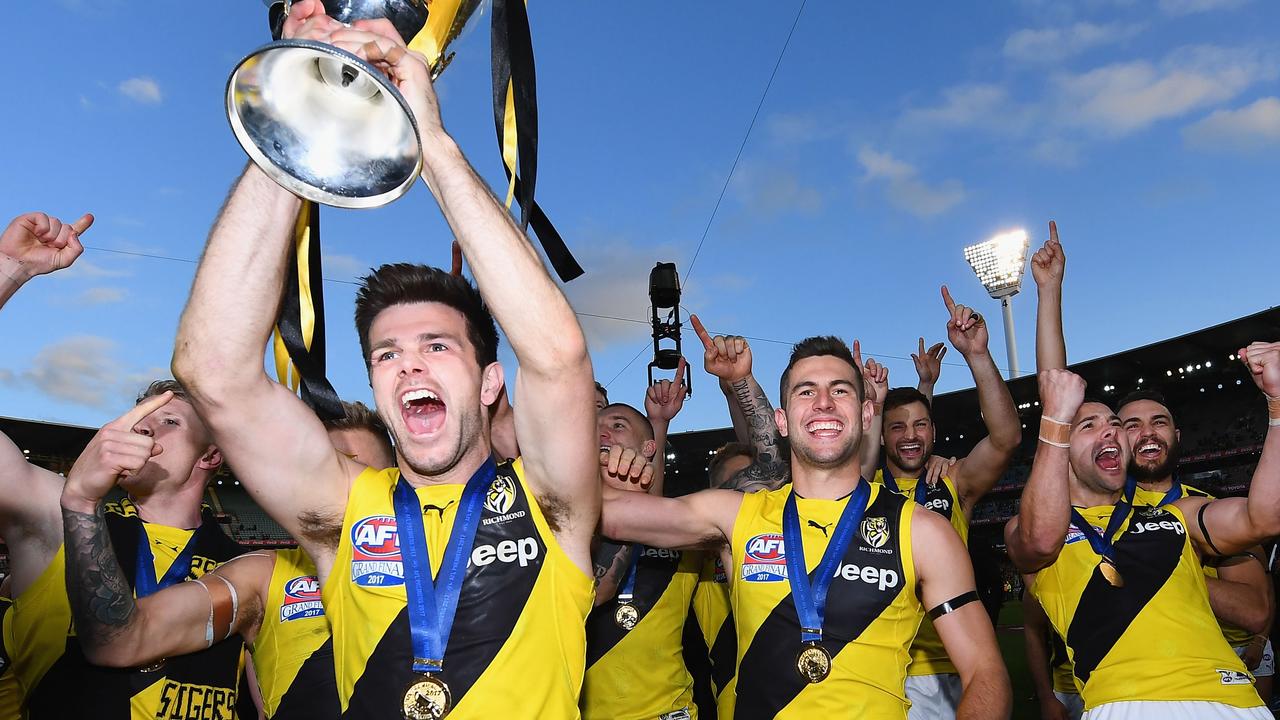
(101, 600)
(610, 561)
(771, 468)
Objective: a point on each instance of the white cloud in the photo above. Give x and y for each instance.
(141, 89)
(1187, 7)
(82, 370)
(343, 267)
(1057, 43)
(977, 104)
(82, 268)
(1057, 152)
(1122, 98)
(769, 191)
(1250, 127)
(905, 189)
(101, 296)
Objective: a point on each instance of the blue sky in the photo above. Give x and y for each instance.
(893, 135)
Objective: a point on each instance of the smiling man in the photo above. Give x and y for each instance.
(1123, 585)
(451, 585)
(829, 572)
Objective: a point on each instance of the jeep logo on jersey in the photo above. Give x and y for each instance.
(766, 559)
(375, 552)
(1141, 527)
(522, 551)
(883, 578)
(301, 599)
(938, 505)
(875, 531)
(502, 493)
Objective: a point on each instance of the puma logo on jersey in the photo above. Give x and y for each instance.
(375, 552)
(182, 701)
(821, 527)
(301, 599)
(1142, 527)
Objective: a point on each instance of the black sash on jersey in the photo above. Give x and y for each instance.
(74, 688)
(654, 572)
(313, 694)
(767, 677)
(493, 599)
(5, 605)
(1104, 613)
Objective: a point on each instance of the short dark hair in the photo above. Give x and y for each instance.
(818, 346)
(359, 417)
(158, 387)
(1154, 396)
(644, 423)
(727, 452)
(604, 392)
(899, 396)
(405, 283)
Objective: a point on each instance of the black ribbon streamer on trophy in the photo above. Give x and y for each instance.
(287, 101)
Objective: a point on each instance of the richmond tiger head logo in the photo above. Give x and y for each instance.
(501, 495)
(875, 531)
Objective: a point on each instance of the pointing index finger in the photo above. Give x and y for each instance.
(83, 223)
(1053, 233)
(141, 410)
(681, 368)
(946, 298)
(701, 331)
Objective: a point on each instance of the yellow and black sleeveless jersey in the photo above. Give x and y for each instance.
(56, 680)
(10, 694)
(710, 639)
(872, 610)
(1236, 637)
(928, 656)
(640, 674)
(1155, 637)
(518, 646)
(293, 651)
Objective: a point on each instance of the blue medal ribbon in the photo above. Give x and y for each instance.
(433, 604)
(1173, 493)
(627, 591)
(810, 596)
(144, 576)
(1104, 545)
(889, 481)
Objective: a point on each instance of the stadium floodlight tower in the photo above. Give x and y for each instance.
(999, 264)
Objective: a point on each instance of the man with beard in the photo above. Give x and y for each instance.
(635, 664)
(1123, 585)
(909, 436)
(451, 585)
(159, 531)
(829, 572)
(271, 598)
(1239, 587)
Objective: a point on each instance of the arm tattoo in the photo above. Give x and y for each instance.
(770, 469)
(101, 599)
(610, 563)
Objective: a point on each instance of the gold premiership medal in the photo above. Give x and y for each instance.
(1111, 572)
(813, 663)
(626, 616)
(427, 699)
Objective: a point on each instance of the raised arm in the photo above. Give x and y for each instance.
(876, 379)
(1036, 640)
(701, 520)
(928, 367)
(1048, 266)
(113, 629)
(946, 578)
(741, 429)
(554, 402)
(32, 244)
(976, 474)
(1236, 524)
(1035, 535)
(729, 358)
(662, 402)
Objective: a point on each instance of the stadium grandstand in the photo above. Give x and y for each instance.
(1215, 403)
